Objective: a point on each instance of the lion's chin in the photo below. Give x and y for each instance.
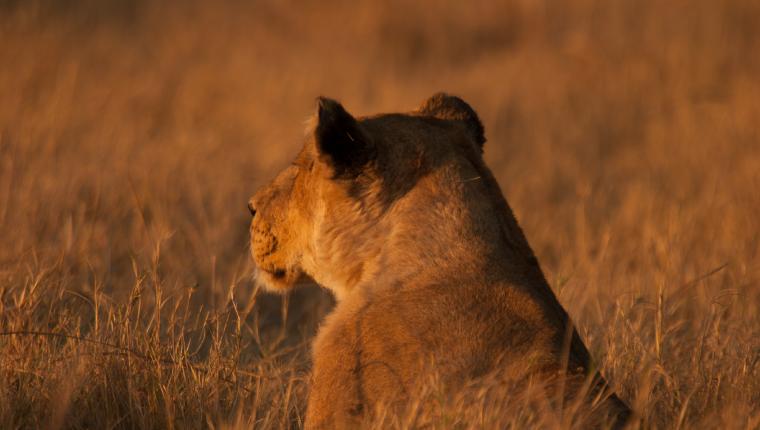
(279, 280)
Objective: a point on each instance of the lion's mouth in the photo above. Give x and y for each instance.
(277, 273)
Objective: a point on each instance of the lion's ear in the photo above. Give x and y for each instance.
(340, 140)
(444, 106)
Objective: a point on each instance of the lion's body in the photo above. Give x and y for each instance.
(400, 217)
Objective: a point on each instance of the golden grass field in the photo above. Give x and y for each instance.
(625, 135)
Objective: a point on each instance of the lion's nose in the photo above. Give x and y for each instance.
(251, 208)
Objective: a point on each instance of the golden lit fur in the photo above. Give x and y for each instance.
(398, 215)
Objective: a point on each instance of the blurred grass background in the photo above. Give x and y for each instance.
(625, 134)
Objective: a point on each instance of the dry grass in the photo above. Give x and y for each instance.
(626, 135)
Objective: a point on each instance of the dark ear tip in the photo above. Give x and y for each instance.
(321, 102)
(327, 107)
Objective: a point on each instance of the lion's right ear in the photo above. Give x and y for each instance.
(341, 142)
(448, 107)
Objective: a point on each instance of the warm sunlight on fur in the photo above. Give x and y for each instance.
(624, 135)
(399, 216)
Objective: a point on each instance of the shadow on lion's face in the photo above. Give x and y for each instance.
(347, 175)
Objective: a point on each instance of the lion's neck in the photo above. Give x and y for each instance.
(435, 235)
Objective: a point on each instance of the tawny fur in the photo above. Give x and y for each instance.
(399, 216)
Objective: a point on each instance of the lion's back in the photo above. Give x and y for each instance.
(403, 342)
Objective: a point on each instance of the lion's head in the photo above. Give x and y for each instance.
(364, 195)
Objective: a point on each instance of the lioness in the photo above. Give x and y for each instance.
(400, 218)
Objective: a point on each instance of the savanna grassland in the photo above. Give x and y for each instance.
(625, 134)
